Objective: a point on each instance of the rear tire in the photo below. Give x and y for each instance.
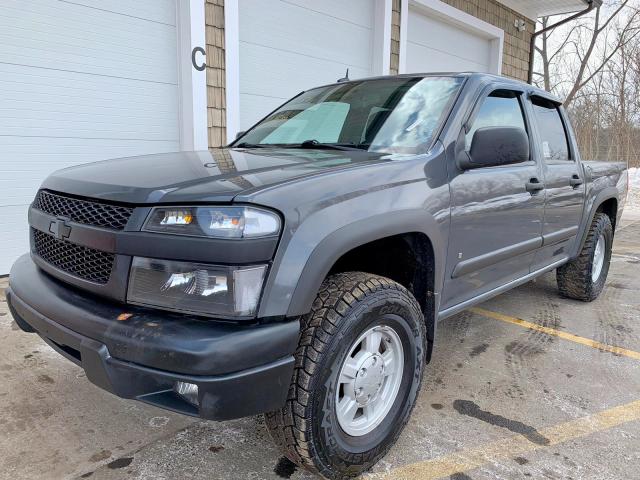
(357, 323)
(584, 278)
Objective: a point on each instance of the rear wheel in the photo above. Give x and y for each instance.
(358, 371)
(584, 277)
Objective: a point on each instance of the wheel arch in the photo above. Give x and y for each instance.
(343, 249)
(606, 201)
(610, 208)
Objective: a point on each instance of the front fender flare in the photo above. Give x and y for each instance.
(331, 247)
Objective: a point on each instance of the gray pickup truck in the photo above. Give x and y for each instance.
(301, 272)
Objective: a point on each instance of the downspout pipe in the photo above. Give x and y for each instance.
(532, 47)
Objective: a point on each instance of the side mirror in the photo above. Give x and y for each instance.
(494, 146)
(239, 134)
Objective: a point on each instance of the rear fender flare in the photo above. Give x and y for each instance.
(591, 207)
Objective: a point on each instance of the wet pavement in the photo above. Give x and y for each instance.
(498, 401)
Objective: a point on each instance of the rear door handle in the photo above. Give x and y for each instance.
(534, 185)
(575, 181)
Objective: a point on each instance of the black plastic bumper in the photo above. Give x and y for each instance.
(239, 370)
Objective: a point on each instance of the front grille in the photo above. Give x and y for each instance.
(82, 262)
(83, 211)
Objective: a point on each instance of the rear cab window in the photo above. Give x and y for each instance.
(554, 144)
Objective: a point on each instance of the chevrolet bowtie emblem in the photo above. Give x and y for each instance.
(60, 229)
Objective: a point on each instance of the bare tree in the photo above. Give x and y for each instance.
(580, 41)
(594, 64)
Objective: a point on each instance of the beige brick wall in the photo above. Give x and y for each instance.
(395, 38)
(515, 58)
(216, 94)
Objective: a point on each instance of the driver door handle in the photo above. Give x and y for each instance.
(534, 185)
(575, 181)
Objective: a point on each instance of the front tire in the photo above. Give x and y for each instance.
(358, 371)
(584, 278)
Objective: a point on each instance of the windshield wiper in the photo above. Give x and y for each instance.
(248, 145)
(313, 143)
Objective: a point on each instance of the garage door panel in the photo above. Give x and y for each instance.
(80, 36)
(80, 83)
(32, 154)
(100, 111)
(18, 194)
(119, 62)
(71, 116)
(103, 124)
(436, 43)
(273, 75)
(425, 29)
(38, 108)
(357, 12)
(113, 28)
(15, 235)
(23, 80)
(306, 32)
(44, 100)
(423, 59)
(287, 46)
(59, 37)
(84, 130)
(98, 118)
(162, 11)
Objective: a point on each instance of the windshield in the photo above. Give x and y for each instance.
(395, 115)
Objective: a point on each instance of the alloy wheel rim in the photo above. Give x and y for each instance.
(598, 259)
(369, 380)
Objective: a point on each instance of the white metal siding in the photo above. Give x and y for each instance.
(436, 45)
(287, 46)
(80, 81)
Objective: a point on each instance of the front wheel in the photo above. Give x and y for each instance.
(358, 372)
(584, 277)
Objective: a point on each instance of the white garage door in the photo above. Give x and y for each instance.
(435, 44)
(80, 81)
(287, 46)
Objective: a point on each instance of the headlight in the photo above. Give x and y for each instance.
(221, 222)
(198, 288)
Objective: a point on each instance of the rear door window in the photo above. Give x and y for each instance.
(553, 136)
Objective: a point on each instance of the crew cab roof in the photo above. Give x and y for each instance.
(480, 77)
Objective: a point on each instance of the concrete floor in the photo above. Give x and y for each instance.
(492, 389)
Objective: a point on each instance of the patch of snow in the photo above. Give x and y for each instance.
(633, 197)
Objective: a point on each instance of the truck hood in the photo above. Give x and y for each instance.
(217, 175)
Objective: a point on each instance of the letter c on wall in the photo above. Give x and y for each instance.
(203, 65)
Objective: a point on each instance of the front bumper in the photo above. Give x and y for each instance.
(240, 370)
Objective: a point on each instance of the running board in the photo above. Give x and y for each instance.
(497, 291)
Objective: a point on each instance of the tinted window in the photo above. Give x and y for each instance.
(500, 109)
(553, 137)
